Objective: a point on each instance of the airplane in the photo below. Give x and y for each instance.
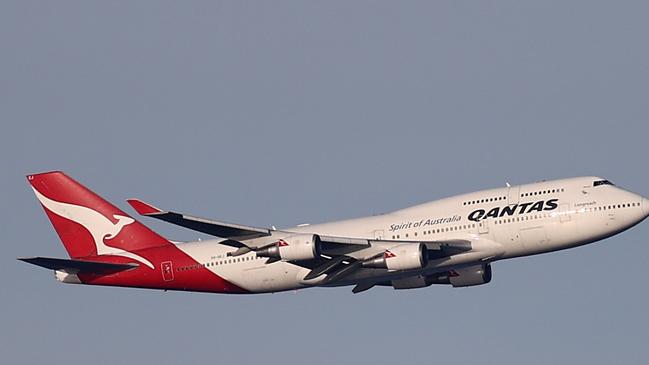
(452, 241)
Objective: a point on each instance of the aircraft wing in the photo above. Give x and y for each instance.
(338, 257)
(231, 231)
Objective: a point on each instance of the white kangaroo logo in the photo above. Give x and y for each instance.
(96, 223)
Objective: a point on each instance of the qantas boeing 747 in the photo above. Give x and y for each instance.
(451, 241)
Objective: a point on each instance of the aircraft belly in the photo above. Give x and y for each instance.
(275, 277)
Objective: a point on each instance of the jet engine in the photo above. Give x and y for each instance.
(408, 256)
(293, 248)
(467, 276)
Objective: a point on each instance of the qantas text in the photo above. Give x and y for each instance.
(522, 208)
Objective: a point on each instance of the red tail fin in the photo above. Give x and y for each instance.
(87, 224)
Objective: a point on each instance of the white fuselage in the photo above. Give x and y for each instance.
(501, 223)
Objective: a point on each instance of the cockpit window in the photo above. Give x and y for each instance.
(602, 182)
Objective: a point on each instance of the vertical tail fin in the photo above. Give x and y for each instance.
(87, 224)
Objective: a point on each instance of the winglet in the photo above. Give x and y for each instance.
(143, 208)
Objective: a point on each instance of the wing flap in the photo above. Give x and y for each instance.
(337, 259)
(432, 245)
(344, 245)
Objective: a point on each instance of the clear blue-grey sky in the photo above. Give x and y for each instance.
(280, 113)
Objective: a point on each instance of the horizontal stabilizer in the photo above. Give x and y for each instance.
(231, 231)
(78, 266)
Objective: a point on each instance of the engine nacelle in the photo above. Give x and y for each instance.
(467, 276)
(409, 256)
(293, 248)
(412, 282)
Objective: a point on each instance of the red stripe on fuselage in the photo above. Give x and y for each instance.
(196, 278)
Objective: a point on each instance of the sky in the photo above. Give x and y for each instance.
(288, 112)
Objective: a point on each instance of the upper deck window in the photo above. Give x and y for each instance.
(602, 182)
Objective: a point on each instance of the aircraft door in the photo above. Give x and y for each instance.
(483, 226)
(513, 195)
(167, 271)
(379, 234)
(564, 213)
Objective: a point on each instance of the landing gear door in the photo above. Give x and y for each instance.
(513, 195)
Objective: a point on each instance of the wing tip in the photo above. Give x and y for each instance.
(143, 208)
(31, 178)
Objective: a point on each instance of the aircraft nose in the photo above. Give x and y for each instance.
(645, 206)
